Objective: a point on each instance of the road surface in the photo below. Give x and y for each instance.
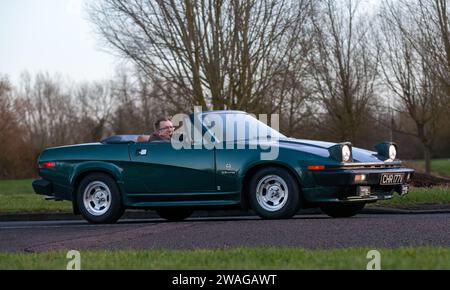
(310, 231)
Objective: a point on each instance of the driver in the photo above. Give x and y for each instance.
(163, 131)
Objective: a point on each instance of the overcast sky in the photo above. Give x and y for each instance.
(53, 36)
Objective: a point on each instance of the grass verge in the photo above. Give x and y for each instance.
(420, 196)
(17, 196)
(440, 167)
(235, 259)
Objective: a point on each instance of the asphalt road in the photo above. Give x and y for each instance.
(315, 231)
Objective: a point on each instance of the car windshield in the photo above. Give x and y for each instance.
(239, 127)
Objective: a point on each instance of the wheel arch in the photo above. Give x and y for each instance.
(252, 170)
(87, 169)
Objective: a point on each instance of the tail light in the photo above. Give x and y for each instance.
(49, 164)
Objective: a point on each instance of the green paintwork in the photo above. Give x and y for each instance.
(169, 177)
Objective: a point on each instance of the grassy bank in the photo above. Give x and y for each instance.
(17, 196)
(440, 167)
(418, 196)
(241, 258)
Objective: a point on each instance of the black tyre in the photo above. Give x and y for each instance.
(342, 210)
(99, 199)
(274, 193)
(175, 214)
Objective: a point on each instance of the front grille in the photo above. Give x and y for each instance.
(371, 166)
(376, 190)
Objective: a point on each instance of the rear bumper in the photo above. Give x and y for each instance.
(59, 192)
(43, 187)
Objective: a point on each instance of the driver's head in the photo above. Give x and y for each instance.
(164, 127)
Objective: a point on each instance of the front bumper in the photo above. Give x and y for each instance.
(340, 185)
(346, 177)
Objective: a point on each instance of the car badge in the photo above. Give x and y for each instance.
(142, 152)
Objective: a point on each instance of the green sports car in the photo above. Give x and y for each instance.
(245, 164)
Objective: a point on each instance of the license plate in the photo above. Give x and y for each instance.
(392, 178)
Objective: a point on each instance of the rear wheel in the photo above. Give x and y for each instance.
(274, 193)
(174, 214)
(342, 210)
(99, 199)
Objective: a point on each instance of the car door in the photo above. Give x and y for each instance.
(159, 168)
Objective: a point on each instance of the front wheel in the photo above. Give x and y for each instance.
(274, 193)
(99, 199)
(342, 210)
(174, 214)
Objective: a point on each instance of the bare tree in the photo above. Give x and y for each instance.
(6, 115)
(409, 66)
(432, 19)
(48, 112)
(12, 164)
(215, 53)
(96, 108)
(126, 114)
(344, 68)
(154, 100)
